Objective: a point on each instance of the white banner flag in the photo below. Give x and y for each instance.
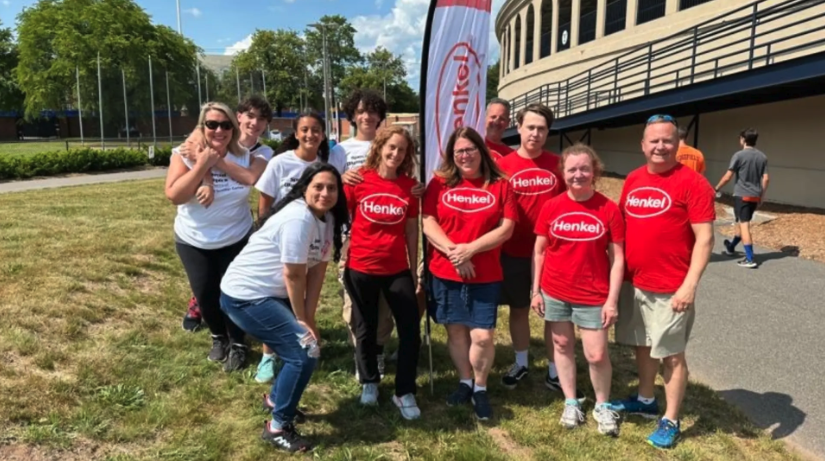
(454, 74)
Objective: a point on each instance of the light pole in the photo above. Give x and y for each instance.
(179, 30)
(327, 70)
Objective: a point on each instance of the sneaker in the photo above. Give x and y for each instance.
(666, 435)
(287, 439)
(406, 403)
(268, 406)
(369, 394)
(192, 320)
(219, 349)
(554, 385)
(572, 417)
(747, 263)
(357, 374)
(382, 366)
(728, 251)
(513, 376)
(633, 406)
(461, 396)
(236, 360)
(608, 420)
(481, 405)
(266, 370)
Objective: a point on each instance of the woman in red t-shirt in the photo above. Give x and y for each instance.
(469, 211)
(383, 249)
(578, 269)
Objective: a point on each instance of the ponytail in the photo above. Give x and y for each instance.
(323, 151)
(290, 143)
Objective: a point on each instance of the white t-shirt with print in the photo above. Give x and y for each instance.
(356, 152)
(227, 220)
(283, 171)
(293, 235)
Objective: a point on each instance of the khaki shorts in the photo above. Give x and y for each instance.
(646, 319)
(385, 321)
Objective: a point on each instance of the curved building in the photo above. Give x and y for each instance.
(719, 66)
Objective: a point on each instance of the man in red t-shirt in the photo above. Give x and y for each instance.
(534, 178)
(669, 213)
(498, 119)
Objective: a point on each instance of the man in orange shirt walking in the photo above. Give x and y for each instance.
(689, 156)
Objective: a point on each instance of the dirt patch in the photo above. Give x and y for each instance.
(508, 446)
(18, 452)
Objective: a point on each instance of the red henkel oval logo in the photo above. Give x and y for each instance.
(577, 226)
(468, 200)
(459, 86)
(533, 181)
(647, 202)
(384, 208)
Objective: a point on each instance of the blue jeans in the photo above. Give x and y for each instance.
(272, 321)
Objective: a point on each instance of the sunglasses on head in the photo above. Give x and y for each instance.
(661, 118)
(214, 124)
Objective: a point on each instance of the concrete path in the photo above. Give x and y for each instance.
(759, 341)
(19, 186)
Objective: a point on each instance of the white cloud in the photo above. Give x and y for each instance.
(193, 11)
(378, 3)
(402, 32)
(6, 2)
(239, 46)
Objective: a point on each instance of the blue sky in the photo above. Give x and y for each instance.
(224, 26)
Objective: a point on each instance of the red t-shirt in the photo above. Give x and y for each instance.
(465, 213)
(534, 182)
(380, 209)
(659, 210)
(576, 264)
(501, 149)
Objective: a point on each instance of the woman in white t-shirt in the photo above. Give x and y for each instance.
(272, 289)
(208, 238)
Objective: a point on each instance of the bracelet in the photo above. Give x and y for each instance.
(533, 295)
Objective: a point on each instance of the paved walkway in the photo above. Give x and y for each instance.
(19, 186)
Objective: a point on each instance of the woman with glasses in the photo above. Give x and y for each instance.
(208, 238)
(469, 211)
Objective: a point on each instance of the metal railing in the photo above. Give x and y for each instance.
(756, 35)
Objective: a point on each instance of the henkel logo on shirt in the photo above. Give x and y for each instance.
(468, 200)
(533, 181)
(577, 226)
(647, 202)
(384, 208)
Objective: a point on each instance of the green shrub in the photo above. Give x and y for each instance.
(72, 161)
(273, 143)
(162, 155)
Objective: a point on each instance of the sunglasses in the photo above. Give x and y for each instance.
(661, 118)
(214, 124)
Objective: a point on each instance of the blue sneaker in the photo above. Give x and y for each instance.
(266, 370)
(666, 435)
(633, 406)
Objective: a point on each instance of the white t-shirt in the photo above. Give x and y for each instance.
(226, 221)
(263, 151)
(283, 171)
(293, 235)
(356, 152)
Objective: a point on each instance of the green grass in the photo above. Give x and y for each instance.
(95, 365)
(34, 147)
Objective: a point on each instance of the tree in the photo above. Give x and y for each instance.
(380, 68)
(10, 96)
(340, 48)
(57, 37)
(492, 81)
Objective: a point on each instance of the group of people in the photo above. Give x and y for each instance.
(519, 227)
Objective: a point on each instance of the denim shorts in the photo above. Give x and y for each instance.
(474, 305)
(555, 310)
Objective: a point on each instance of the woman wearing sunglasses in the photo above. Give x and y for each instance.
(207, 239)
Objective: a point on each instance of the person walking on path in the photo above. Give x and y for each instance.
(208, 236)
(750, 166)
(469, 211)
(689, 156)
(669, 213)
(382, 259)
(273, 287)
(497, 120)
(578, 269)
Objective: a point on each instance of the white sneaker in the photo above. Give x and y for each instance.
(572, 416)
(406, 403)
(608, 420)
(357, 374)
(369, 394)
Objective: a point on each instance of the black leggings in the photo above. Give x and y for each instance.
(399, 292)
(205, 269)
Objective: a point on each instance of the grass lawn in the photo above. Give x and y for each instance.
(34, 147)
(95, 364)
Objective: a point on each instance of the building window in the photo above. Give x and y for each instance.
(587, 21)
(546, 28)
(517, 41)
(615, 16)
(565, 15)
(531, 28)
(685, 4)
(650, 10)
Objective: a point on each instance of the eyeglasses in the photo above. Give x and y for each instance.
(661, 118)
(468, 151)
(214, 124)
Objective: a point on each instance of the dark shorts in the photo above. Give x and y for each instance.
(474, 305)
(518, 278)
(742, 210)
